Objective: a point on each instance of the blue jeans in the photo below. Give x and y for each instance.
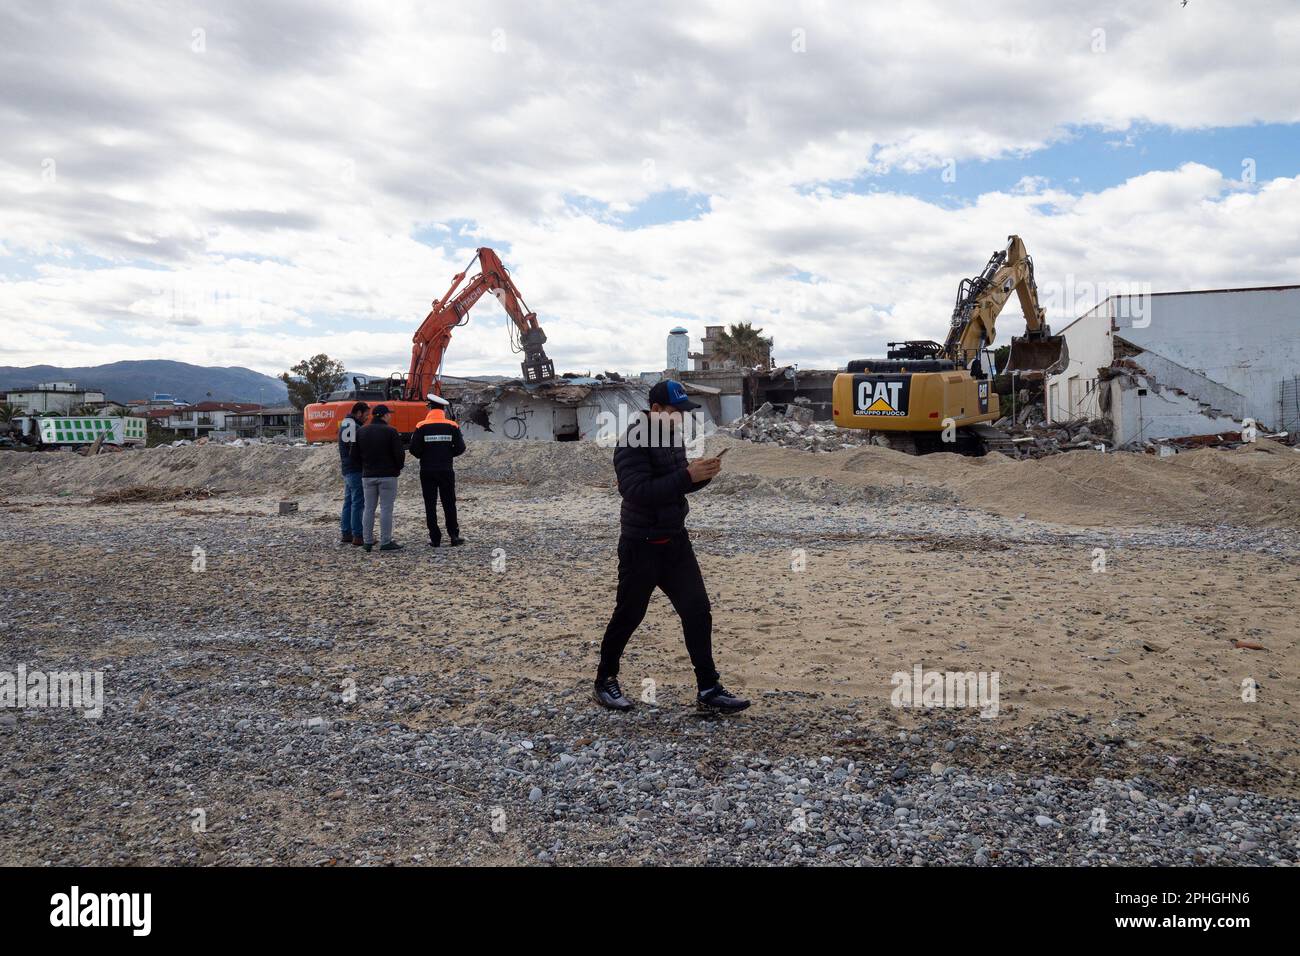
(353, 505)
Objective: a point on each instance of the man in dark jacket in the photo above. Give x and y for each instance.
(378, 453)
(654, 549)
(436, 441)
(353, 497)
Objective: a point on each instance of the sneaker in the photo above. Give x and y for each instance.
(391, 546)
(718, 698)
(367, 547)
(457, 540)
(609, 694)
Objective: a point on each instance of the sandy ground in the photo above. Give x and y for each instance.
(828, 573)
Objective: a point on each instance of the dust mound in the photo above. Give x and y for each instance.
(1247, 486)
(1252, 486)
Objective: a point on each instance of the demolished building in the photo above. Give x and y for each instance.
(1181, 364)
(564, 409)
(732, 393)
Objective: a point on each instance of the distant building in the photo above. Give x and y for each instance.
(163, 400)
(60, 398)
(280, 420)
(679, 347)
(207, 417)
(1178, 364)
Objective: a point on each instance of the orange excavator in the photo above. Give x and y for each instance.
(407, 395)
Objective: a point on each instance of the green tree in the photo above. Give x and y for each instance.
(8, 412)
(744, 345)
(312, 379)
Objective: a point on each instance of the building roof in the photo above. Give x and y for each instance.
(1128, 295)
(53, 387)
(223, 407)
(1249, 288)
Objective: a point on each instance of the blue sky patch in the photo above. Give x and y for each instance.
(1090, 159)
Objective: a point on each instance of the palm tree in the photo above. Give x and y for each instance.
(8, 412)
(744, 345)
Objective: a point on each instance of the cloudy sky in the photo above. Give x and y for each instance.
(249, 183)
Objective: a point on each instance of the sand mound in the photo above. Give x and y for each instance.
(1245, 486)
(1250, 486)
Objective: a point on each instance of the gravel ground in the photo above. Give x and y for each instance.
(440, 714)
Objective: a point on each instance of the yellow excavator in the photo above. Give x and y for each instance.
(925, 396)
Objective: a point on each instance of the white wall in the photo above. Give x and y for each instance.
(1247, 340)
(1091, 347)
(1160, 413)
(516, 418)
(62, 402)
(1172, 375)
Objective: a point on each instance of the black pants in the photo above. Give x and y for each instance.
(643, 566)
(435, 485)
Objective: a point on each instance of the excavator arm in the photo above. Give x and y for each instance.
(980, 300)
(434, 334)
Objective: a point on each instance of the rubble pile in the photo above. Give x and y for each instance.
(240, 442)
(794, 428)
(1032, 437)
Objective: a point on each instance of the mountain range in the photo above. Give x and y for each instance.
(124, 381)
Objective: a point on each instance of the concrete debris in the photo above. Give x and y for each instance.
(794, 428)
(240, 442)
(1031, 437)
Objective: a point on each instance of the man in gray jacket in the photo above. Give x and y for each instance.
(379, 454)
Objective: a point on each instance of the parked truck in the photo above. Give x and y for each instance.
(74, 430)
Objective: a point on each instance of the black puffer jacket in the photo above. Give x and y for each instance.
(378, 451)
(654, 484)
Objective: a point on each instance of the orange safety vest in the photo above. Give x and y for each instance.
(437, 416)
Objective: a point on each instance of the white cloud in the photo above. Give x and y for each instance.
(255, 202)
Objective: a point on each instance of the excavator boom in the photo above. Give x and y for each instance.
(981, 299)
(406, 397)
(434, 334)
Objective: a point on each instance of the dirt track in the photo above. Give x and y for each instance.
(1127, 680)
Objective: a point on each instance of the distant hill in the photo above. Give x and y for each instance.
(124, 381)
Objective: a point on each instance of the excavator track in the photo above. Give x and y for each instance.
(969, 442)
(994, 439)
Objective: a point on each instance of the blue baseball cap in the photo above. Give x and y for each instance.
(670, 393)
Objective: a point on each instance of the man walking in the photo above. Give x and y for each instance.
(378, 453)
(353, 497)
(654, 549)
(436, 441)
